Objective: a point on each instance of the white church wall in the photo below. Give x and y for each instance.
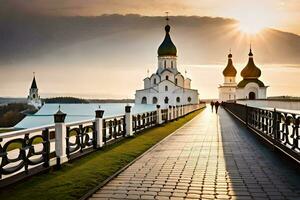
(260, 92)
(167, 75)
(187, 83)
(147, 83)
(180, 80)
(227, 93)
(154, 78)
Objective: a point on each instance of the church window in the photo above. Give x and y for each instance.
(144, 100)
(154, 81)
(166, 88)
(178, 99)
(172, 64)
(189, 99)
(33, 96)
(154, 100)
(167, 77)
(165, 64)
(176, 81)
(166, 100)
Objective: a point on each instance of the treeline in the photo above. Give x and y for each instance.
(13, 113)
(79, 100)
(64, 100)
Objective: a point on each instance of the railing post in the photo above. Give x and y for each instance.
(275, 125)
(159, 115)
(99, 128)
(60, 138)
(128, 121)
(174, 113)
(178, 111)
(170, 113)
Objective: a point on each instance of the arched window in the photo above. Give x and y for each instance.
(166, 100)
(33, 96)
(178, 99)
(165, 64)
(171, 64)
(176, 81)
(189, 99)
(252, 95)
(230, 80)
(154, 100)
(154, 81)
(167, 77)
(166, 88)
(144, 100)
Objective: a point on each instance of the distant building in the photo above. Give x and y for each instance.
(167, 86)
(251, 87)
(248, 88)
(33, 97)
(227, 91)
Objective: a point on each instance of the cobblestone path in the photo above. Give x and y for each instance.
(211, 157)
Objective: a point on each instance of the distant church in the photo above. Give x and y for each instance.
(248, 88)
(33, 97)
(167, 86)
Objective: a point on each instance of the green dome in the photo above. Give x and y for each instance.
(229, 69)
(167, 48)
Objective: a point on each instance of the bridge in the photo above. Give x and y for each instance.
(240, 153)
(212, 157)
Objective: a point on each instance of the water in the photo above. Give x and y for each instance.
(78, 112)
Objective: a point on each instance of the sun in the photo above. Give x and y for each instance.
(251, 26)
(253, 17)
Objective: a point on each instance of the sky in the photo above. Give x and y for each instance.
(99, 55)
(280, 14)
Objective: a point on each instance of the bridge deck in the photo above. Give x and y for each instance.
(213, 156)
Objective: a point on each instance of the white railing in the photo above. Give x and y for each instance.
(26, 152)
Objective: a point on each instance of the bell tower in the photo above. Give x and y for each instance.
(33, 97)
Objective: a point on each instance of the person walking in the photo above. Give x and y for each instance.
(217, 104)
(212, 106)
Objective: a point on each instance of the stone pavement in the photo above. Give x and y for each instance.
(211, 157)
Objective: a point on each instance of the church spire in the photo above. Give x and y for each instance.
(33, 84)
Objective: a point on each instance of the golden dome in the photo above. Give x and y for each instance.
(229, 69)
(251, 71)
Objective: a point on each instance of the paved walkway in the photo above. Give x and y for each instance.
(211, 157)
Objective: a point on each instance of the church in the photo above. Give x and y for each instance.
(34, 98)
(250, 87)
(167, 86)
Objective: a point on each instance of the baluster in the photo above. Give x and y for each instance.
(2, 154)
(94, 140)
(68, 143)
(46, 144)
(104, 131)
(124, 126)
(81, 141)
(115, 128)
(25, 150)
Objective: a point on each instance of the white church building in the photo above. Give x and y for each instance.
(167, 86)
(34, 98)
(250, 87)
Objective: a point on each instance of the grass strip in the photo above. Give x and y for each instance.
(76, 178)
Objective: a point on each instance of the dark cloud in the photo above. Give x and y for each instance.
(200, 40)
